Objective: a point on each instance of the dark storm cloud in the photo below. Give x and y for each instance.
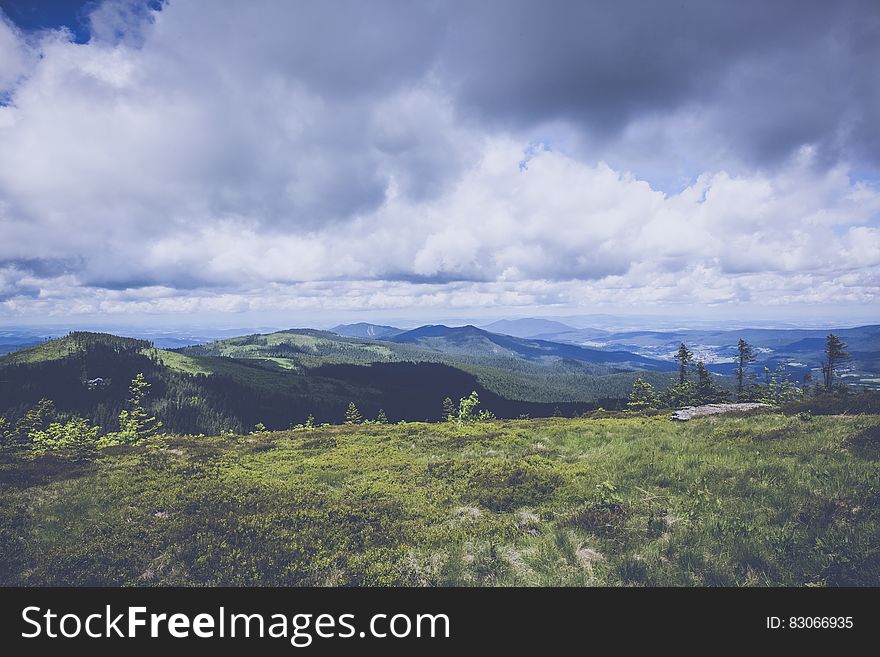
(341, 49)
(772, 75)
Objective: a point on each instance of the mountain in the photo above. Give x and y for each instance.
(278, 379)
(472, 341)
(528, 327)
(365, 330)
(190, 394)
(511, 367)
(13, 339)
(297, 348)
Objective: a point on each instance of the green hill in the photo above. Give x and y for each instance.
(733, 501)
(472, 341)
(280, 379)
(521, 370)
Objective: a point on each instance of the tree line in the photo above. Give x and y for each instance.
(696, 386)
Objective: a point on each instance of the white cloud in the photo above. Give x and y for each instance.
(16, 57)
(186, 166)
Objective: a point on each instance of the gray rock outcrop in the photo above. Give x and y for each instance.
(689, 412)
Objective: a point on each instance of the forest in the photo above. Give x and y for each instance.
(212, 395)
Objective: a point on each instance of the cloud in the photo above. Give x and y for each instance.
(435, 155)
(761, 79)
(16, 57)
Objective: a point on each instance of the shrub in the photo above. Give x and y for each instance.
(602, 515)
(643, 396)
(507, 485)
(75, 434)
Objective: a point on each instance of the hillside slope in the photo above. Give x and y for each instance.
(280, 379)
(720, 501)
(189, 394)
(522, 370)
(472, 341)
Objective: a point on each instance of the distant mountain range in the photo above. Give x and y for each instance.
(799, 350)
(281, 377)
(528, 327)
(472, 341)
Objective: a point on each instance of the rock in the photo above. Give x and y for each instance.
(689, 412)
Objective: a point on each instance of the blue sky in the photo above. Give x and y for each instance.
(349, 160)
(50, 14)
(73, 15)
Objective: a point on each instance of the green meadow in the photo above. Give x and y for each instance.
(761, 500)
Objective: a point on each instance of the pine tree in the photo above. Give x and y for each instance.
(134, 422)
(835, 351)
(679, 395)
(707, 392)
(381, 418)
(35, 419)
(685, 357)
(745, 355)
(77, 434)
(643, 397)
(778, 389)
(353, 415)
(448, 409)
(467, 407)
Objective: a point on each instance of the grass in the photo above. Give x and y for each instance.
(730, 501)
(47, 351)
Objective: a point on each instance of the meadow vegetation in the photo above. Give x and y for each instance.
(766, 499)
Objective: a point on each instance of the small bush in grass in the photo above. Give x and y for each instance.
(603, 515)
(507, 485)
(76, 434)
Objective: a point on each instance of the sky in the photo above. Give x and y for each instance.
(285, 162)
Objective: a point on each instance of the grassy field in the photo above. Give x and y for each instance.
(731, 501)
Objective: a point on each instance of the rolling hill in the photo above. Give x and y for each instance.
(279, 379)
(524, 370)
(470, 340)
